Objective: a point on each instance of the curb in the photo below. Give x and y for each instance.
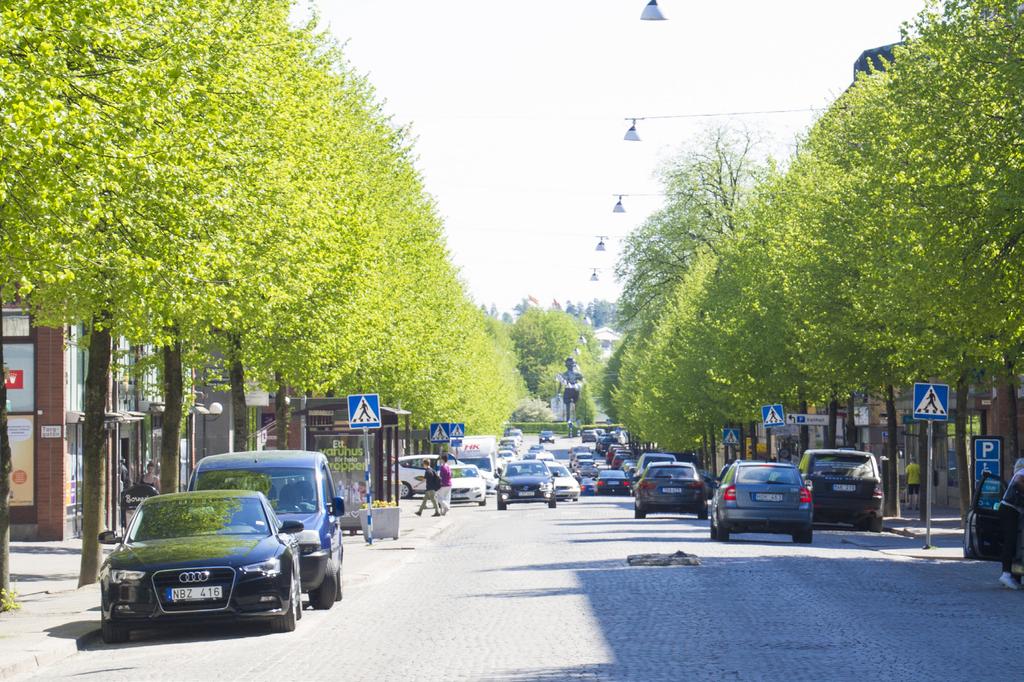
(60, 650)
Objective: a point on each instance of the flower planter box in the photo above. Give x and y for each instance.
(385, 522)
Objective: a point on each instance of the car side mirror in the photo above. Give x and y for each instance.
(337, 506)
(291, 527)
(109, 537)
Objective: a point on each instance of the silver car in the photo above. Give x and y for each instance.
(762, 497)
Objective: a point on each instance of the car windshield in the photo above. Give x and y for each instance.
(783, 475)
(679, 473)
(527, 469)
(558, 470)
(465, 472)
(584, 461)
(856, 466)
(479, 462)
(611, 473)
(290, 491)
(197, 515)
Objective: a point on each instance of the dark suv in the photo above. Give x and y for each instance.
(846, 486)
(526, 481)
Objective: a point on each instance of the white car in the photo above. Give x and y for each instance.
(506, 456)
(468, 485)
(566, 485)
(410, 473)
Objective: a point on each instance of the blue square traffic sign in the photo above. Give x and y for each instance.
(773, 415)
(931, 402)
(364, 411)
(983, 465)
(456, 430)
(440, 432)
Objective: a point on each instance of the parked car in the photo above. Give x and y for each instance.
(676, 488)
(468, 485)
(546, 437)
(410, 473)
(764, 497)
(201, 557)
(299, 486)
(612, 482)
(588, 436)
(526, 481)
(847, 487)
(566, 485)
(983, 537)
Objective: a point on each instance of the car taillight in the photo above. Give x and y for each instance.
(600, 482)
(878, 492)
(805, 496)
(647, 485)
(729, 494)
(696, 485)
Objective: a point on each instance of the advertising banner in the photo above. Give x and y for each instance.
(20, 431)
(19, 376)
(345, 456)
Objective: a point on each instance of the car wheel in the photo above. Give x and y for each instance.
(804, 537)
(638, 513)
(483, 502)
(406, 490)
(286, 622)
(875, 525)
(323, 597)
(552, 503)
(502, 506)
(723, 533)
(113, 633)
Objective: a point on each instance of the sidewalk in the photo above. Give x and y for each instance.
(56, 617)
(947, 534)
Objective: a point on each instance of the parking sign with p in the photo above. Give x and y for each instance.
(988, 451)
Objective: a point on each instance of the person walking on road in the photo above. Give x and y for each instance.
(1010, 508)
(445, 493)
(913, 486)
(433, 485)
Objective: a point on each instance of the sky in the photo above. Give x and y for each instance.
(518, 110)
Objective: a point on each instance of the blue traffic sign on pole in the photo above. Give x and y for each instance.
(364, 411)
(456, 430)
(931, 402)
(988, 451)
(440, 432)
(730, 436)
(773, 415)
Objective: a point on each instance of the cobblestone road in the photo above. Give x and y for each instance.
(539, 594)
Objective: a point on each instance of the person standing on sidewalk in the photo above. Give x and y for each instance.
(433, 485)
(445, 493)
(913, 486)
(1010, 508)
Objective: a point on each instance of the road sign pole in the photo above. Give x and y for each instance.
(369, 487)
(930, 492)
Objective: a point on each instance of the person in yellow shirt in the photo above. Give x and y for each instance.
(913, 486)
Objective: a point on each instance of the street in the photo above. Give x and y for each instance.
(537, 593)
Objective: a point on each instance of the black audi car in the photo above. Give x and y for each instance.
(201, 557)
(526, 481)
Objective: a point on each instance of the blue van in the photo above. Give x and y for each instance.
(300, 488)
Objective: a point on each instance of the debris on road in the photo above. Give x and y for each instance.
(677, 559)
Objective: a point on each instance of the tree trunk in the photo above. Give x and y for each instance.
(850, 434)
(922, 461)
(5, 484)
(704, 448)
(805, 433)
(239, 412)
(170, 451)
(964, 474)
(282, 412)
(753, 440)
(1013, 409)
(94, 451)
(714, 454)
(892, 482)
(833, 417)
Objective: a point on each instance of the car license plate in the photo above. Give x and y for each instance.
(671, 490)
(844, 487)
(195, 593)
(769, 497)
(528, 493)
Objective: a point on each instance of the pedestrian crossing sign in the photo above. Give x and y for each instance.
(730, 436)
(931, 402)
(457, 430)
(439, 432)
(773, 415)
(364, 411)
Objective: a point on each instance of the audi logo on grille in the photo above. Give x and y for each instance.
(194, 576)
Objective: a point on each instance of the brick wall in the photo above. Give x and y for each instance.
(51, 476)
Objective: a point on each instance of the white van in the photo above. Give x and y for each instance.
(482, 452)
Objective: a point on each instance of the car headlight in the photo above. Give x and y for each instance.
(270, 567)
(119, 575)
